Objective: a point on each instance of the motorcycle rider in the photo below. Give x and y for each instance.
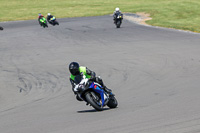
(49, 16)
(116, 13)
(75, 70)
(40, 16)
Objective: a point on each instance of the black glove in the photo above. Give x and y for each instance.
(93, 78)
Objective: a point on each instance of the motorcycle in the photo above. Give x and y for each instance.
(118, 20)
(43, 22)
(93, 94)
(1, 28)
(53, 21)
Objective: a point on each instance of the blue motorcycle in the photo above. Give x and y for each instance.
(93, 94)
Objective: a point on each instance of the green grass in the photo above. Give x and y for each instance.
(179, 14)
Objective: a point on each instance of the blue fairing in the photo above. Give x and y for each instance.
(97, 89)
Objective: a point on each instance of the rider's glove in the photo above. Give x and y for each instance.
(92, 78)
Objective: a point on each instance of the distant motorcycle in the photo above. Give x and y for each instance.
(118, 20)
(43, 22)
(1, 28)
(53, 21)
(93, 94)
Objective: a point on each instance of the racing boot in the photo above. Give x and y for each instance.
(100, 81)
(106, 89)
(78, 98)
(77, 95)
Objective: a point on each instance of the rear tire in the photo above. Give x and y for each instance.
(112, 103)
(1, 28)
(90, 100)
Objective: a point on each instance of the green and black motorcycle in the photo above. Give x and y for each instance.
(43, 22)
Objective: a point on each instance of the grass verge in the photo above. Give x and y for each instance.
(178, 14)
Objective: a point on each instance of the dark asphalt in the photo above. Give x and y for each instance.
(154, 73)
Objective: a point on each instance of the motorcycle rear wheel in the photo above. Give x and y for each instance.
(91, 101)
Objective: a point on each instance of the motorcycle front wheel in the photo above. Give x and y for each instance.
(56, 23)
(93, 101)
(112, 103)
(118, 23)
(45, 25)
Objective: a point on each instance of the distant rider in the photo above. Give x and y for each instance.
(40, 16)
(49, 16)
(75, 70)
(116, 13)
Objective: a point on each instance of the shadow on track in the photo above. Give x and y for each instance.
(92, 110)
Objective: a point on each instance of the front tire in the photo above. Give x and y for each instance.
(118, 24)
(1, 28)
(56, 23)
(90, 99)
(112, 103)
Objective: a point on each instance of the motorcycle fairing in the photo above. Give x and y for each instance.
(53, 18)
(96, 88)
(43, 20)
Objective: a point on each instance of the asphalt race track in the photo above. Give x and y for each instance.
(154, 73)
